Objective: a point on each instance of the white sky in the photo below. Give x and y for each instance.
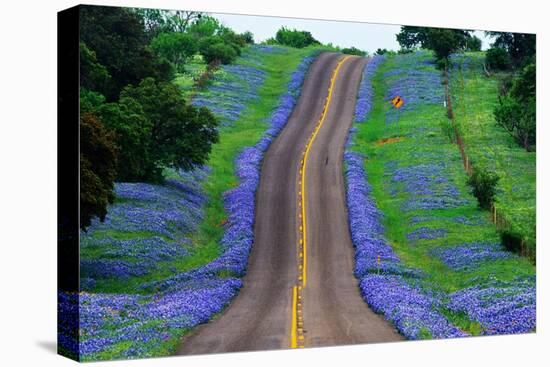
(365, 36)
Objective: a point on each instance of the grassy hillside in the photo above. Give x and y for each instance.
(489, 145)
(442, 270)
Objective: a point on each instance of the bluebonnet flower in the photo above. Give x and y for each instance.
(500, 307)
(470, 255)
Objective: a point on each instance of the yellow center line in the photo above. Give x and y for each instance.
(293, 341)
(297, 330)
(304, 165)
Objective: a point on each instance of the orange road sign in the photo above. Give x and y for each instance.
(397, 102)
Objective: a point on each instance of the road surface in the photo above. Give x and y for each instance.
(330, 308)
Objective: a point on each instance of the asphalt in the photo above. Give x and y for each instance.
(334, 314)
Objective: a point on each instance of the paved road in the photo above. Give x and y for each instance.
(333, 311)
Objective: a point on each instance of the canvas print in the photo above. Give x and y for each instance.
(236, 183)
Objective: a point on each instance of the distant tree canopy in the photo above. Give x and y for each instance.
(294, 38)
(353, 51)
(97, 169)
(159, 21)
(117, 37)
(440, 40)
(521, 47)
(381, 51)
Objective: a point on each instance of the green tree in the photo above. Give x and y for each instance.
(97, 169)
(473, 44)
(516, 110)
(206, 26)
(442, 41)
(520, 46)
(497, 58)
(155, 128)
(294, 38)
(353, 51)
(118, 38)
(133, 138)
(381, 51)
(93, 75)
(175, 47)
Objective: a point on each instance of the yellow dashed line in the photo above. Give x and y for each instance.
(297, 328)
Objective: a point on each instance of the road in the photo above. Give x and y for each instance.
(330, 308)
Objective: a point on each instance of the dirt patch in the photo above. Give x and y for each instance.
(390, 140)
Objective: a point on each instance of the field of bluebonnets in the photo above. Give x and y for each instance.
(488, 145)
(426, 257)
(167, 258)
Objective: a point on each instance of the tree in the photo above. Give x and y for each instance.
(206, 26)
(155, 128)
(175, 47)
(97, 169)
(520, 46)
(381, 51)
(473, 44)
(497, 58)
(353, 51)
(93, 75)
(133, 133)
(118, 38)
(294, 38)
(158, 21)
(440, 40)
(516, 110)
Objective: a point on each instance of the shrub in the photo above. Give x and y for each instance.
(294, 38)
(511, 240)
(214, 49)
(484, 185)
(497, 58)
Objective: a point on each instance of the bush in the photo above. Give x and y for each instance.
(484, 185)
(97, 169)
(497, 59)
(221, 52)
(214, 49)
(511, 240)
(294, 38)
(353, 51)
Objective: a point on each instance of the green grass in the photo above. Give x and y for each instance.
(422, 141)
(488, 145)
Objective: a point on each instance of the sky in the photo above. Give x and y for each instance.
(365, 36)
